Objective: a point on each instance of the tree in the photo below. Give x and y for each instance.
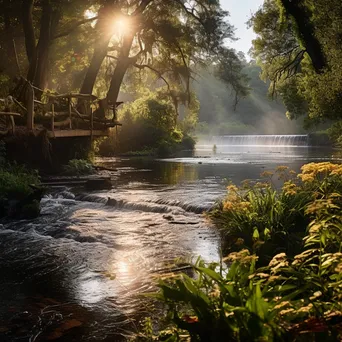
(167, 38)
(298, 48)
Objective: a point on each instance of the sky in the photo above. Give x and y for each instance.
(240, 11)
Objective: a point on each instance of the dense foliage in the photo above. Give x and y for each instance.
(298, 47)
(151, 124)
(78, 167)
(91, 45)
(263, 291)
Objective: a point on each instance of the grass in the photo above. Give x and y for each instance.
(78, 167)
(282, 278)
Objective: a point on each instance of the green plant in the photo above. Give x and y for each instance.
(78, 167)
(290, 298)
(266, 221)
(19, 191)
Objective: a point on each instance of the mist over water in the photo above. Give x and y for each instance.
(90, 255)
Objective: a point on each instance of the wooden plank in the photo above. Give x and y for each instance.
(69, 110)
(10, 114)
(53, 117)
(65, 133)
(30, 108)
(12, 124)
(91, 122)
(74, 96)
(64, 123)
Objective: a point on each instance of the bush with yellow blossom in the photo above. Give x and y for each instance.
(269, 220)
(282, 278)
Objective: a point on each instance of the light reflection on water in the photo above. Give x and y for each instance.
(100, 257)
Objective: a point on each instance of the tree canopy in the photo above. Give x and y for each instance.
(298, 47)
(92, 45)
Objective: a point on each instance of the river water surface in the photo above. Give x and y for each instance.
(77, 272)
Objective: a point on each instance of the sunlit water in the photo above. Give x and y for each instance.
(87, 259)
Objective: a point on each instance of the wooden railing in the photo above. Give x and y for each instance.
(65, 106)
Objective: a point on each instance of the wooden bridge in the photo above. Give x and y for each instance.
(61, 115)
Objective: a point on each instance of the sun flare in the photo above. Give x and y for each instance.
(121, 26)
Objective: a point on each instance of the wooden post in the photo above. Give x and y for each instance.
(69, 105)
(12, 124)
(30, 107)
(53, 117)
(91, 123)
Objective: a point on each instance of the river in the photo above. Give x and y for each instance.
(78, 271)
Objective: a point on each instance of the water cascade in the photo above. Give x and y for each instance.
(260, 140)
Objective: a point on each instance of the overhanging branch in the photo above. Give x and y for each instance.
(74, 27)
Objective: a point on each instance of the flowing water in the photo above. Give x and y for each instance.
(261, 140)
(76, 273)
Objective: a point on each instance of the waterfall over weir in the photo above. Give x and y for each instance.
(261, 140)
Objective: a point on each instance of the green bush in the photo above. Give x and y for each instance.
(78, 167)
(19, 188)
(150, 123)
(16, 181)
(290, 296)
(267, 221)
(335, 133)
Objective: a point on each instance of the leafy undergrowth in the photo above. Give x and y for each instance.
(281, 280)
(78, 167)
(20, 192)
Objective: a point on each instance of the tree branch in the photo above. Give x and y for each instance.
(74, 27)
(191, 13)
(141, 8)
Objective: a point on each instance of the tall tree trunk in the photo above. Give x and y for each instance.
(100, 48)
(39, 64)
(43, 47)
(306, 30)
(100, 52)
(30, 39)
(122, 65)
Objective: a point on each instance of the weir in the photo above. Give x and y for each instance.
(261, 140)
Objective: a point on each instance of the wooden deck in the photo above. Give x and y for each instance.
(60, 115)
(67, 133)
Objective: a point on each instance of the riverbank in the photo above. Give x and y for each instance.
(89, 261)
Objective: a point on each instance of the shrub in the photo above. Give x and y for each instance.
(16, 181)
(18, 189)
(78, 167)
(266, 221)
(295, 295)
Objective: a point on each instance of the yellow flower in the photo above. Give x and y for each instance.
(244, 205)
(316, 295)
(227, 205)
(320, 205)
(243, 257)
(290, 188)
(260, 185)
(306, 178)
(282, 304)
(314, 169)
(277, 258)
(305, 308)
(282, 168)
(285, 312)
(266, 174)
(232, 188)
(216, 292)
